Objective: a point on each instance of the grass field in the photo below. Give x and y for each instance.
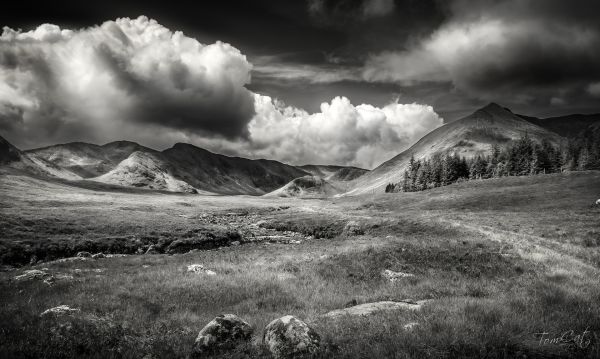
(502, 261)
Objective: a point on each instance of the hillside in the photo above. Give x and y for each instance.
(334, 173)
(145, 170)
(216, 173)
(470, 136)
(85, 159)
(567, 126)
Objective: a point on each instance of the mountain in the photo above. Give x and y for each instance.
(216, 173)
(469, 136)
(15, 159)
(85, 159)
(307, 186)
(567, 126)
(145, 169)
(182, 168)
(334, 173)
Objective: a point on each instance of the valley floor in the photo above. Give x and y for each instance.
(505, 263)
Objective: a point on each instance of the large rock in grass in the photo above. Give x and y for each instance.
(36, 275)
(223, 332)
(289, 337)
(376, 307)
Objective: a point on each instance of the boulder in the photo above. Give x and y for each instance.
(394, 276)
(36, 274)
(598, 202)
(375, 307)
(289, 336)
(199, 268)
(98, 255)
(223, 332)
(84, 254)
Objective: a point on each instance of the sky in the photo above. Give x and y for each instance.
(348, 82)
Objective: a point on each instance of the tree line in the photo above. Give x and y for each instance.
(523, 158)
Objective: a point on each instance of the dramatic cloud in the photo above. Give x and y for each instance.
(100, 81)
(340, 133)
(137, 80)
(519, 50)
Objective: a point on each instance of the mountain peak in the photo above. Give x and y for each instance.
(494, 107)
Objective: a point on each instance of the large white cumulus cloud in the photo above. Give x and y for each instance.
(340, 133)
(104, 79)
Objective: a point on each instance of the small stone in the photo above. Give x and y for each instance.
(98, 255)
(60, 310)
(289, 336)
(199, 269)
(83, 254)
(33, 260)
(235, 243)
(223, 332)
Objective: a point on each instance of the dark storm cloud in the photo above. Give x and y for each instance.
(91, 81)
(508, 51)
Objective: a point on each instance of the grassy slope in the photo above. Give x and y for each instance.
(503, 259)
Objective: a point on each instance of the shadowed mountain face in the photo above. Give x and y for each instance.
(567, 126)
(334, 173)
(228, 175)
(8, 152)
(470, 136)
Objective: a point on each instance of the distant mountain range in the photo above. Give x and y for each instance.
(181, 168)
(187, 168)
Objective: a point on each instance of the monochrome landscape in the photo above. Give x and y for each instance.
(312, 179)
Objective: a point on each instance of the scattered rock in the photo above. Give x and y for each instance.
(394, 276)
(235, 243)
(83, 254)
(33, 260)
(36, 274)
(289, 336)
(375, 307)
(145, 266)
(353, 228)
(98, 255)
(60, 310)
(199, 268)
(223, 332)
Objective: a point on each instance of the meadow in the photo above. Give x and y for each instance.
(505, 263)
